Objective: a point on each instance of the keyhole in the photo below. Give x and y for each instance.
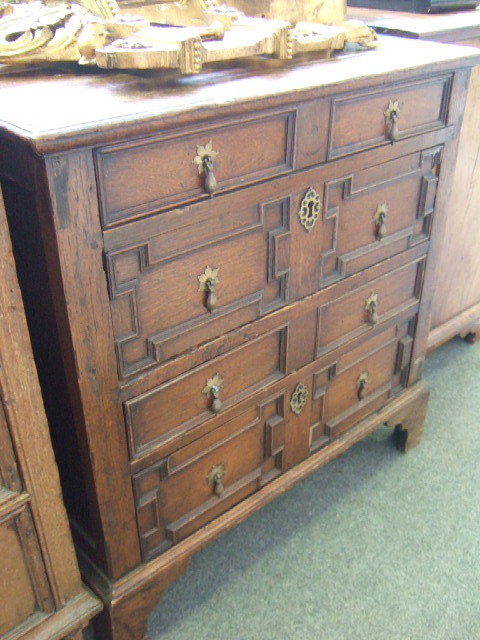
(310, 210)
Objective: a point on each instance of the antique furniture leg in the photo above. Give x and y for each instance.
(409, 421)
(125, 617)
(473, 335)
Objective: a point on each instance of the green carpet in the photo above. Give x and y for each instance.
(376, 545)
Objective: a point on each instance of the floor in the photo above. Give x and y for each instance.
(377, 545)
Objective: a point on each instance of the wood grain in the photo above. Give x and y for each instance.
(456, 302)
(38, 566)
(129, 338)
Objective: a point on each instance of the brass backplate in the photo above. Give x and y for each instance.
(210, 274)
(310, 209)
(381, 213)
(202, 153)
(214, 383)
(393, 107)
(216, 472)
(299, 398)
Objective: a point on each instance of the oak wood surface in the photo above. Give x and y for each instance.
(456, 302)
(455, 27)
(41, 591)
(80, 108)
(126, 341)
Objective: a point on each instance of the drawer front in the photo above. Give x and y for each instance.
(260, 252)
(180, 281)
(24, 589)
(261, 437)
(182, 492)
(171, 409)
(361, 122)
(376, 213)
(140, 178)
(359, 381)
(358, 312)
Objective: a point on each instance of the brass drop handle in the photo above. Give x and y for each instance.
(208, 280)
(204, 160)
(216, 405)
(391, 119)
(380, 218)
(362, 384)
(215, 479)
(211, 302)
(210, 183)
(212, 390)
(371, 306)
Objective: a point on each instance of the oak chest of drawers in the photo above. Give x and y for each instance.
(228, 284)
(456, 299)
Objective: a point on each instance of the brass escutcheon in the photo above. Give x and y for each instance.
(204, 161)
(380, 217)
(371, 305)
(391, 119)
(214, 479)
(208, 280)
(362, 383)
(310, 209)
(299, 398)
(212, 390)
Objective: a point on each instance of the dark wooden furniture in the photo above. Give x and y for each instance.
(456, 300)
(210, 331)
(416, 6)
(41, 594)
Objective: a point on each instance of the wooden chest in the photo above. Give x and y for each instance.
(228, 281)
(41, 594)
(456, 299)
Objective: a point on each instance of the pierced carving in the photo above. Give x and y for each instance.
(299, 398)
(101, 32)
(310, 209)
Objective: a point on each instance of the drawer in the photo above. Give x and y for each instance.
(255, 244)
(361, 121)
(358, 312)
(166, 270)
(169, 410)
(359, 381)
(137, 179)
(183, 491)
(377, 212)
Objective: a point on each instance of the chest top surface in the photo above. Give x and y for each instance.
(61, 107)
(442, 27)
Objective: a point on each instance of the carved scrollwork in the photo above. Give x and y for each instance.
(169, 34)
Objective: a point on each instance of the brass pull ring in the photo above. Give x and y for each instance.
(362, 384)
(371, 306)
(204, 160)
(391, 119)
